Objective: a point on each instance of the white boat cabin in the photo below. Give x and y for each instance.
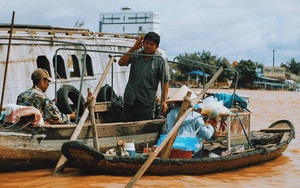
(35, 47)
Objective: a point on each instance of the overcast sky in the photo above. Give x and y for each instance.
(234, 29)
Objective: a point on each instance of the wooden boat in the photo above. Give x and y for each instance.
(36, 148)
(23, 147)
(267, 144)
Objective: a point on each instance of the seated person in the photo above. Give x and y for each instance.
(193, 126)
(37, 98)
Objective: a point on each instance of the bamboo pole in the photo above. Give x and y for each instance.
(92, 116)
(7, 59)
(63, 160)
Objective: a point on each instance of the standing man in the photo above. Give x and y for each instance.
(37, 98)
(146, 72)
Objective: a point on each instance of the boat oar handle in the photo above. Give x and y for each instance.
(63, 160)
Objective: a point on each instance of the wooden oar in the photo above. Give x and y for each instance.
(174, 130)
(63, 160)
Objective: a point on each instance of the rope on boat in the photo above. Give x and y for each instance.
(21, 126)
(8, 128)
(266, 151)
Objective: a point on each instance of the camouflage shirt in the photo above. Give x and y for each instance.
(36, 98)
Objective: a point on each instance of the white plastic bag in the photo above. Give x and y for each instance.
(212, 107)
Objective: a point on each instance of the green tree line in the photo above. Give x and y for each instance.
(246, 69)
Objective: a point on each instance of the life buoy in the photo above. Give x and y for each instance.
(65, 93)
(105, 94)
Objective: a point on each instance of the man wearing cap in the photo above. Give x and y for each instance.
(37, 98)
(193, 126)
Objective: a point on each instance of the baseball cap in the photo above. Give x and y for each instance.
(40, 73)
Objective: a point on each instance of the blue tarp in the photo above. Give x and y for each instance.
(228, 99)
(182, 143)
(198, 73)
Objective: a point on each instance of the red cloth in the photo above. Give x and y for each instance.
(14, 112)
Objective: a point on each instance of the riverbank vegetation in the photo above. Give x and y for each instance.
(246, 69)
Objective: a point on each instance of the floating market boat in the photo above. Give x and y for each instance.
(28, 148)
(78, 59)
(267, 144)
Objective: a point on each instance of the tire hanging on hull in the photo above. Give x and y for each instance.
(65, 93)
(105, 94)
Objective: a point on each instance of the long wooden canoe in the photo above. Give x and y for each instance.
(28, 149)
(267, 145)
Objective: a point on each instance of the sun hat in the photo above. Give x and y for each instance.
(40, 73)
(180, 94)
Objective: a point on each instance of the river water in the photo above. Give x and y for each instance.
(266, 107)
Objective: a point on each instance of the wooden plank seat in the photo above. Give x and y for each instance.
(275, 130)
(102, 106)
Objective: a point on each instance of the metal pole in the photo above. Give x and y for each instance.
(273, 58)
(7, 59)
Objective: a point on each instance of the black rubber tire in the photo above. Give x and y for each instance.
(104, 94)
(65, 93)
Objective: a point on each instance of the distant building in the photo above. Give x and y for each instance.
(274, 72)
(128, 22)
(273, 78)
